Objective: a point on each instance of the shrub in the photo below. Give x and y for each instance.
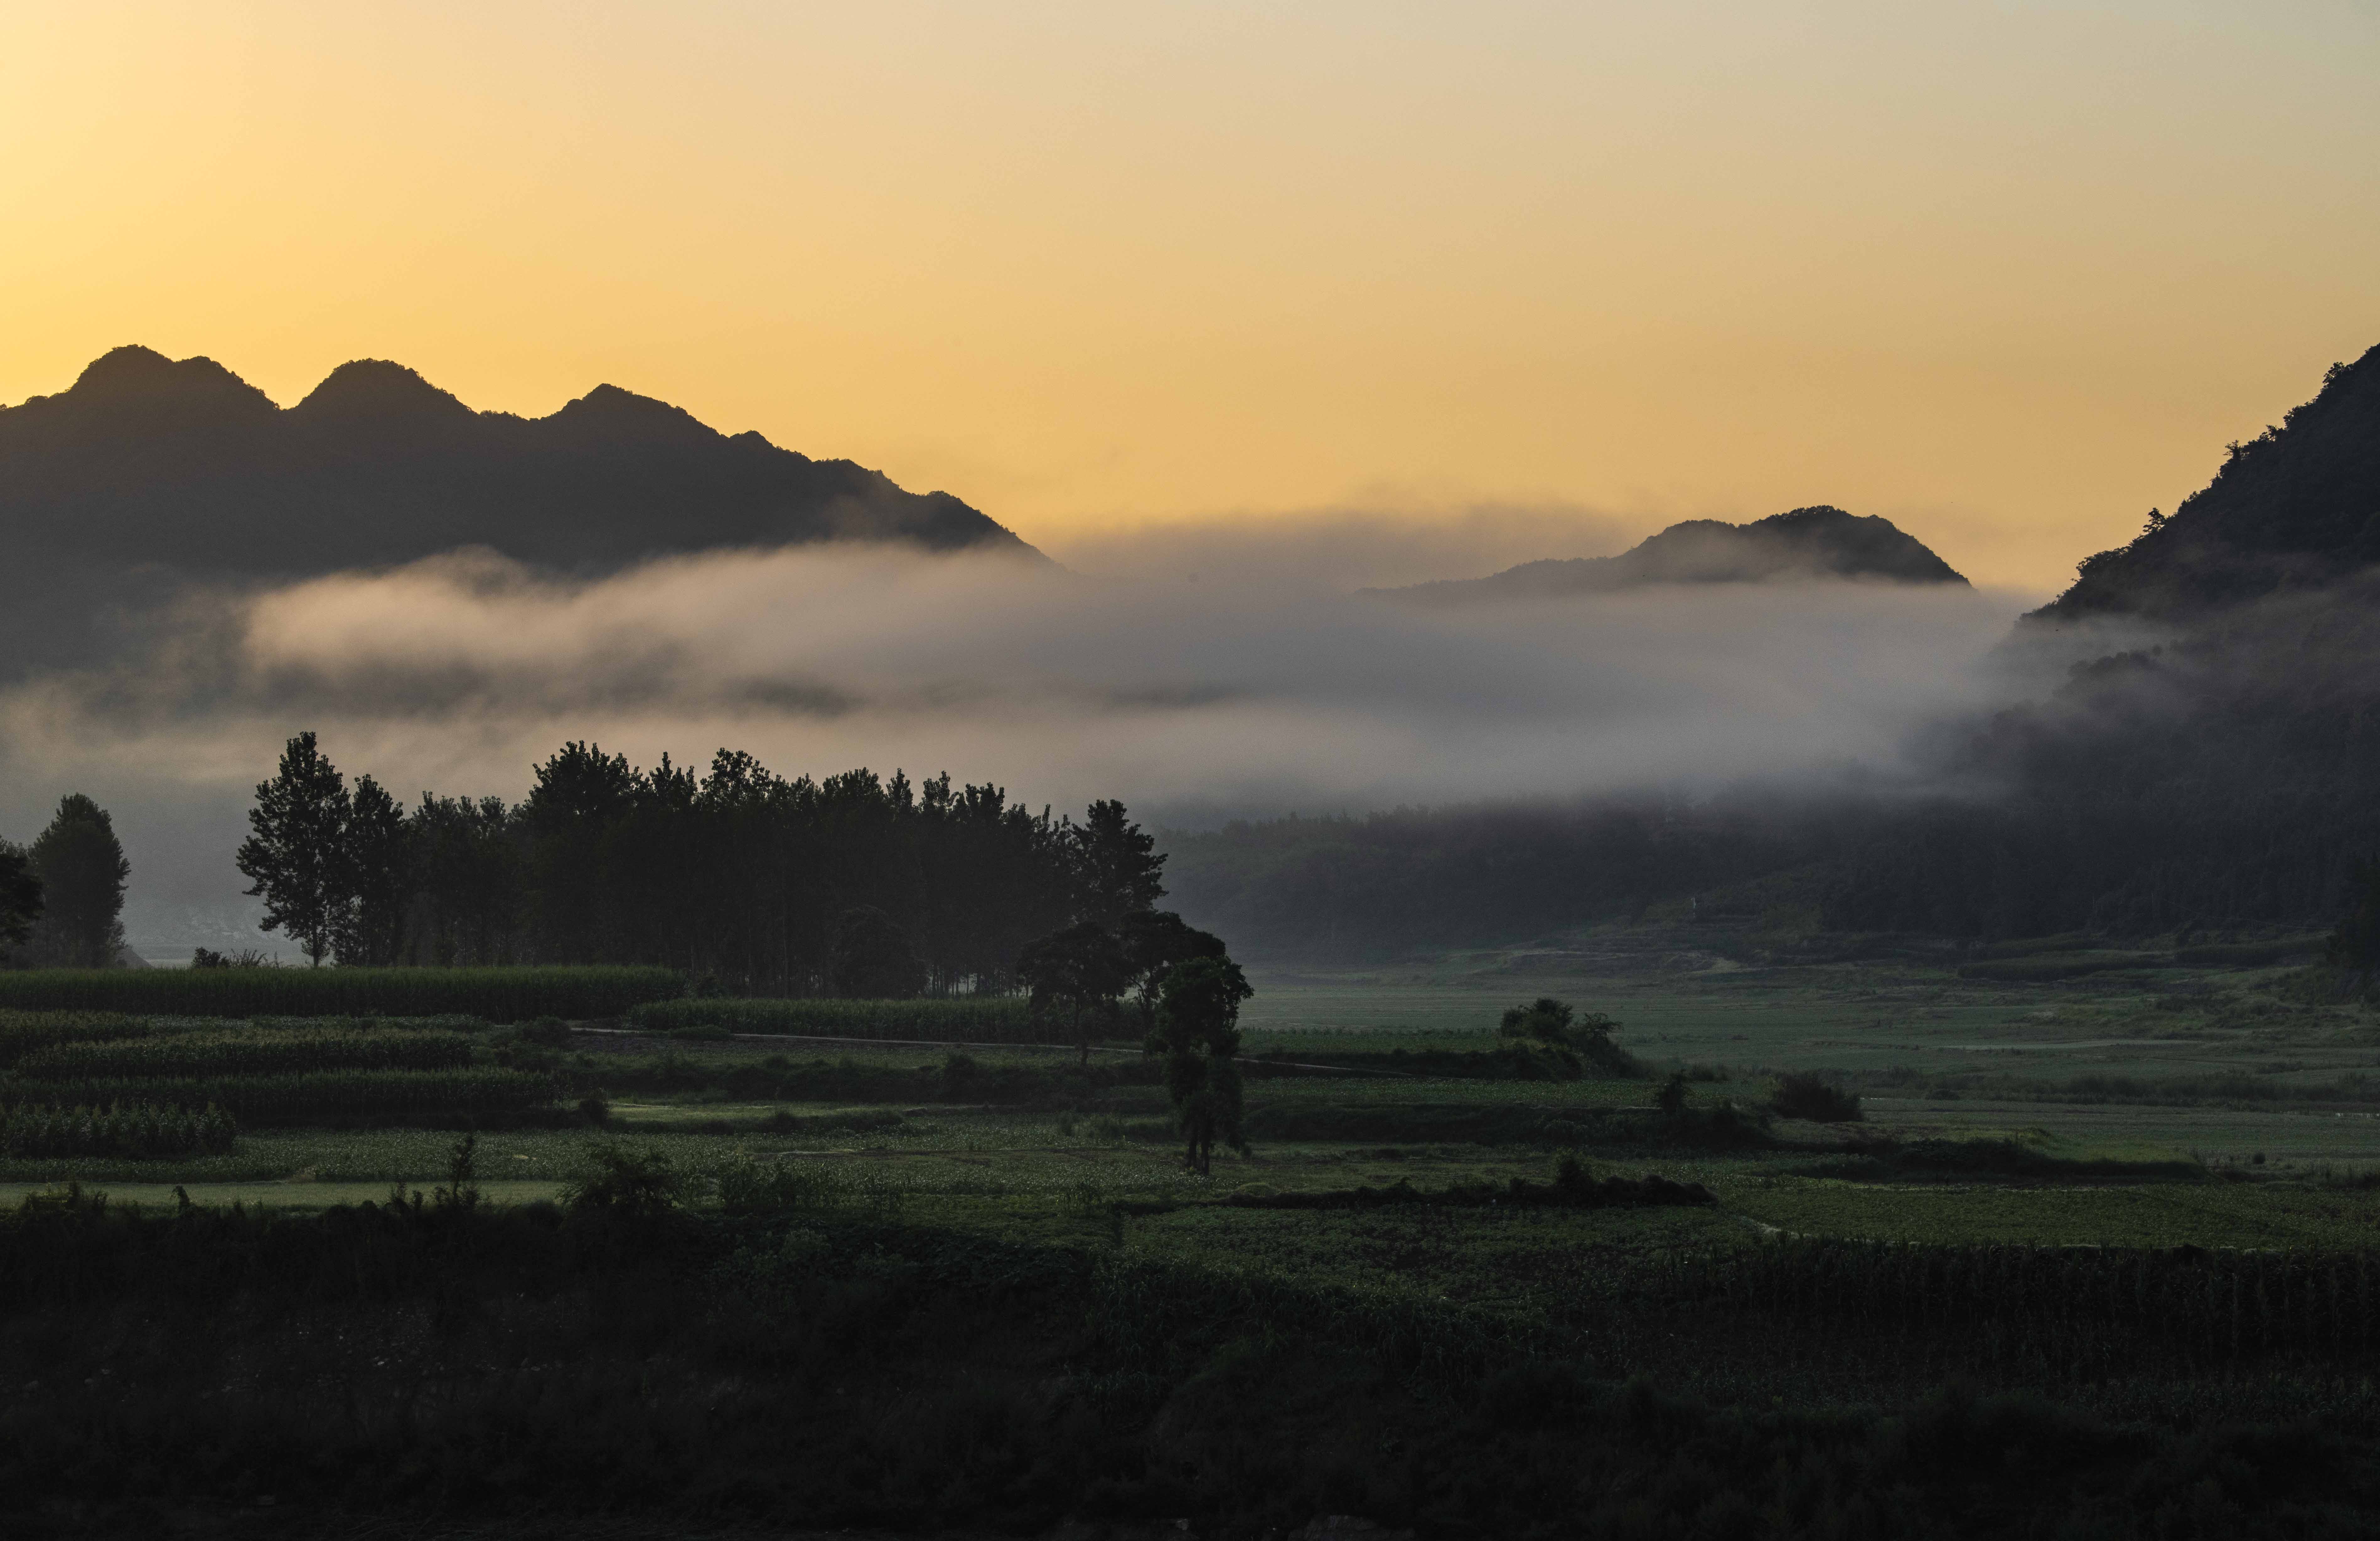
(633, 1184)
(1803, 1094)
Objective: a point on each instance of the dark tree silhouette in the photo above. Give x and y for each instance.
(1154, 941)
(377, 868)
(1117, 871)
(736, 876)
(582, 796)
(20, 895)
(296, 856)
(1076, 976)
(467, 906)
(1199, 1033)
(82, 870)
(872, 959)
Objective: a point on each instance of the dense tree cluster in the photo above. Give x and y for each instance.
(62, 898)
(852, 885)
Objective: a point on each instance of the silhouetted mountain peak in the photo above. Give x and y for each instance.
(610, 413)
(1820, 541)
(2297, 507)
(181, 469)
(142, 379)
(375, 388)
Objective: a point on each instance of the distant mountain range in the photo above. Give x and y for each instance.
(1819, 543)
(2297, 508)
(149, 472)
(185, 463)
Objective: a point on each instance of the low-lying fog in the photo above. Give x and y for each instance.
(1197, 671)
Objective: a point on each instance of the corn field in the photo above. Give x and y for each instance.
(496, 994)
(22, 1033)
(963, 1019)
(297, 1098)
(140, 1129)
(247, 1051)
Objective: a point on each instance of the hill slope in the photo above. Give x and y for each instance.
(2295, 508)
(1818, 542)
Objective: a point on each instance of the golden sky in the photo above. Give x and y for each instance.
(2007, 273)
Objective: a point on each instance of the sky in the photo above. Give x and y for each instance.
(2007, 274)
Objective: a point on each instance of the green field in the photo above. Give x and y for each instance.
(2152, 1195)
(2180, 1105)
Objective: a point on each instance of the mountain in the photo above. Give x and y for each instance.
(146, 460)
(2295, 509)
(1820, 542)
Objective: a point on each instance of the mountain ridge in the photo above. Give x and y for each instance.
(1817, 542)
(189, 466)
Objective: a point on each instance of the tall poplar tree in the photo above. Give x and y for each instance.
(378, 867)
(296, 857)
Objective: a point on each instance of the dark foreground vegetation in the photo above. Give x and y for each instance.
(808, 1364)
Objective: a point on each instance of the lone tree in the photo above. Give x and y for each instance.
(1076, 976)
(82, 868)
(1199, 1033)
(20, 895)
(296, 857)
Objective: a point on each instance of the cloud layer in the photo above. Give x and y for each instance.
(1194, 672)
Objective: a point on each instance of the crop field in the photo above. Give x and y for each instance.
(2149, 1195)
(2229, 1108)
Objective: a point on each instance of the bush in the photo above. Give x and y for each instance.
(497, 994)
(635, 1183)
(1802, 1094)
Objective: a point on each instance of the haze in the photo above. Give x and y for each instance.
(1198, 674)
(2007, 275)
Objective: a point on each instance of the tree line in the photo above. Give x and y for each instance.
(756, 884)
